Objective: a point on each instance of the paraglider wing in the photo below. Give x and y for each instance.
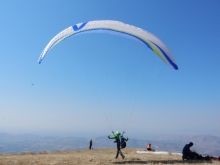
(118, 28)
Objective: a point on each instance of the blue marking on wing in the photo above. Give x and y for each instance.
(167, 57)
(76, 28)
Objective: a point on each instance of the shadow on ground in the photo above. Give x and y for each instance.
(162, 162)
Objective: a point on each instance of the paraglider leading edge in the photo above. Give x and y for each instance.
(117, 28)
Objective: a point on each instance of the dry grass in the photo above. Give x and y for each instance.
(94, 157)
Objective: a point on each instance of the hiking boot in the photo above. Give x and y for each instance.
(123, 156)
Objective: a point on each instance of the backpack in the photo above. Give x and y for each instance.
(122, 141)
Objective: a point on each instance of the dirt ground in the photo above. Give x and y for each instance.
(94, 157)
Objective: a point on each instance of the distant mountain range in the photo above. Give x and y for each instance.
(203, 144)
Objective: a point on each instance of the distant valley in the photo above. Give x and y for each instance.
(203, 144)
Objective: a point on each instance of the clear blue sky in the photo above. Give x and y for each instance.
(90, 84)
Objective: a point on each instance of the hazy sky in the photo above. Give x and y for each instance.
(89, 85)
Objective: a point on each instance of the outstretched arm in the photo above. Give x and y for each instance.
(112, 137)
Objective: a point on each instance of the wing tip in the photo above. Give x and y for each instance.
(176, 67)
(39, 61)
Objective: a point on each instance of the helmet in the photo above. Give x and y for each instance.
(117, 133)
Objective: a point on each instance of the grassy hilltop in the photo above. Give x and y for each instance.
(93, 157)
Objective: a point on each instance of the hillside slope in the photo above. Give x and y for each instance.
(94, 157)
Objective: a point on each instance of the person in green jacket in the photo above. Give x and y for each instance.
(120, 141)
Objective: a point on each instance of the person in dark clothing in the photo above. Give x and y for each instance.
(90, 144)
(188, 154)
(186, 151)
(118, 139)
